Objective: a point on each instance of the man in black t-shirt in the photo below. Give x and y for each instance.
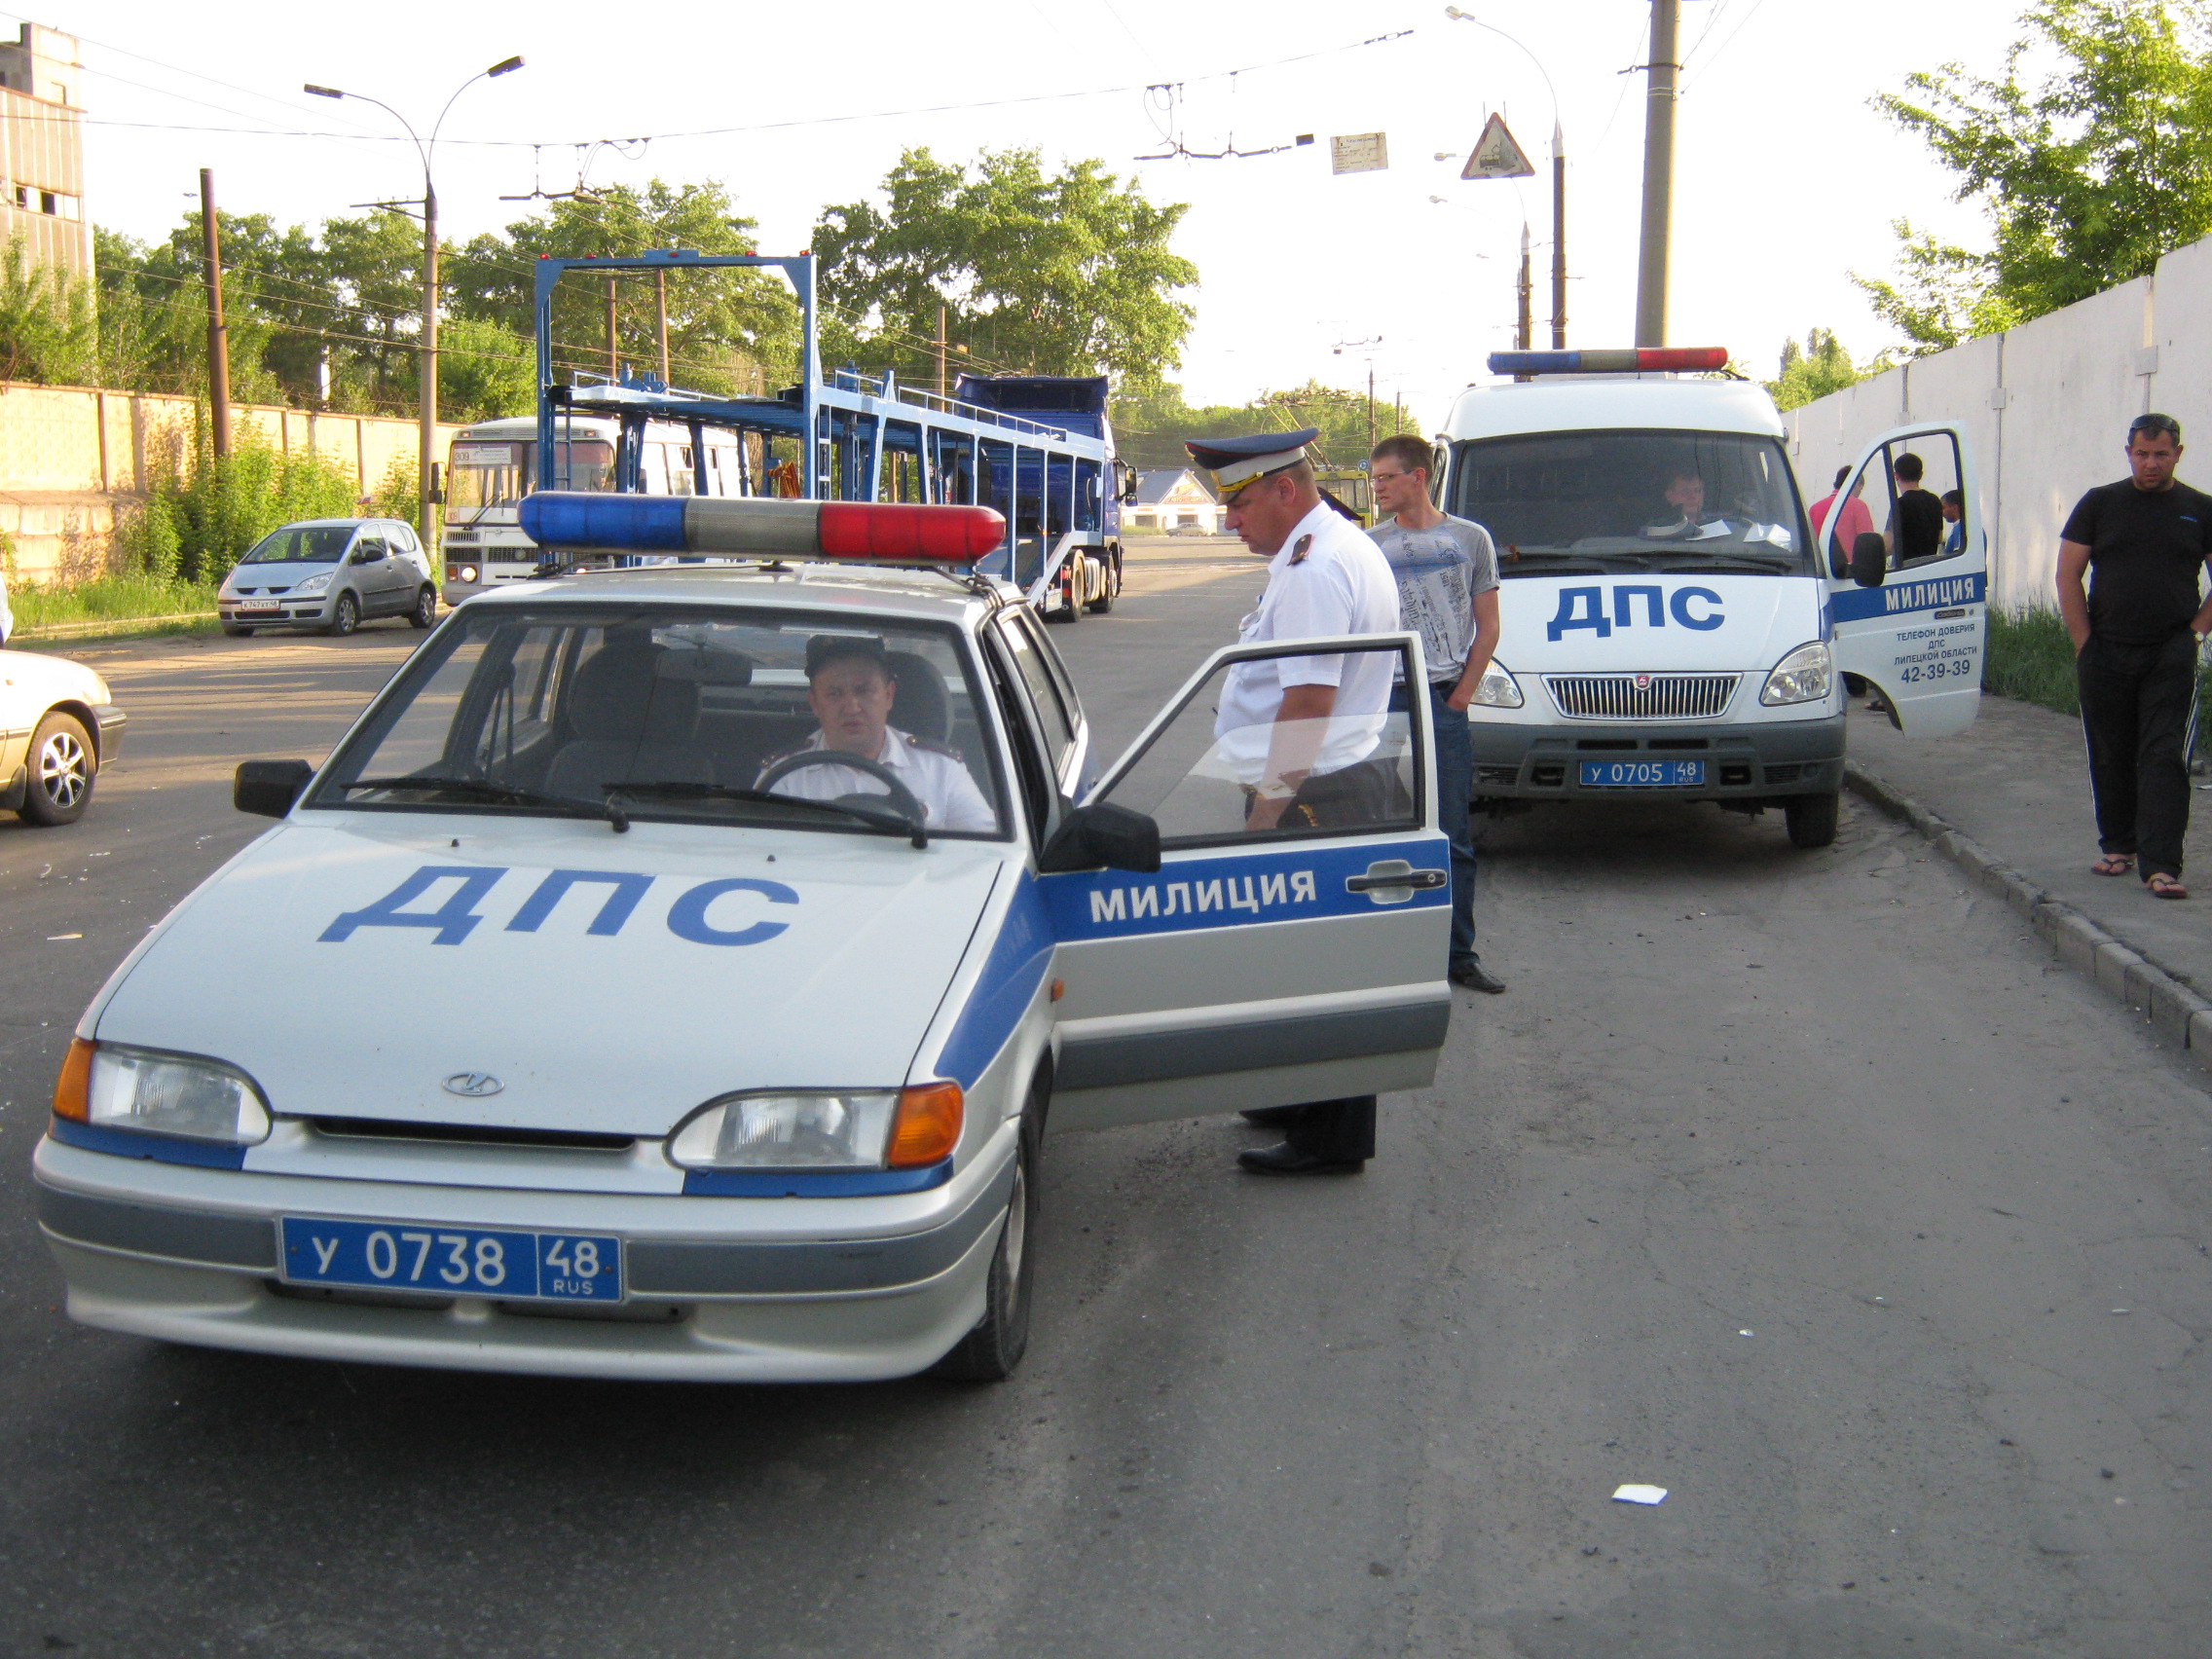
(1916, 522)
(2143, 542)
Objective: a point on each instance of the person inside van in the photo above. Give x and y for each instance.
(1686, 512)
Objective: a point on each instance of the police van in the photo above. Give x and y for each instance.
(674, 1063)
(1670, 628)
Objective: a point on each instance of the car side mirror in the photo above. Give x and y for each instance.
(1102, 836)
(1870, 559)
(268, 787)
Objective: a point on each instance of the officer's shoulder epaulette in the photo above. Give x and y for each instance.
(767, 761)
(933, 748)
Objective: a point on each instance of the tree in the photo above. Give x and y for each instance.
(1062, 275)
(1152, 424)
(2087, 176)
(729, 329)
(1815, 369)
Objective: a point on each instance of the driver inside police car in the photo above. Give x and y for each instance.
(851, 686)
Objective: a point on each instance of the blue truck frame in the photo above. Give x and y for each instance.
(1000, 441)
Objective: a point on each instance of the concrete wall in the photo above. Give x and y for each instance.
(2046, 406)
(69, 456)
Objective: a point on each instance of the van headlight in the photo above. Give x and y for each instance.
(1496, 689)
(1805, 675)
(312, 585)
(114, 1087)
(465, 573)
(865, 1129)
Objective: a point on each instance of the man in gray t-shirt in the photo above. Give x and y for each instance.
(1447, 572)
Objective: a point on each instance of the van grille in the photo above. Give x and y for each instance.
(1641, 696)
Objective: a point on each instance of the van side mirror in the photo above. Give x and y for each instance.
(268, 787)
(1870, 559)
(1102, 836)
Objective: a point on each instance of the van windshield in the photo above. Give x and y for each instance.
(1634, 501)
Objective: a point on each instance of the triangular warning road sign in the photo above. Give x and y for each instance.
(1497, 155)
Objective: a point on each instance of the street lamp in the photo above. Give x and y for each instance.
(1559, 178)
(426, 466)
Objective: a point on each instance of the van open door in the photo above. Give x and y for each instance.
(1908, 578)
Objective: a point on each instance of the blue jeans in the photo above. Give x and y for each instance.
(1455, 783)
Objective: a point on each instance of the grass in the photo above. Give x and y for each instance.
(2029, 657)
(79, 611)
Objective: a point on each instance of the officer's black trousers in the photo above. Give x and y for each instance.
(2137, 702)
(1340, 1130)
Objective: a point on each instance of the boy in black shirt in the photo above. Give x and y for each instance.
(1916, 522)
(2143, 542)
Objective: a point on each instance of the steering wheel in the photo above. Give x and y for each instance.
(901, 800)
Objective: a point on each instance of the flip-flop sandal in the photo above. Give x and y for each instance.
(2114, 863)
(2164, 886)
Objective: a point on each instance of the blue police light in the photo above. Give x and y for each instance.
(1627, 360)
(633, 524)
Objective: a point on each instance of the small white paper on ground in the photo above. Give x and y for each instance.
(1639, 1494)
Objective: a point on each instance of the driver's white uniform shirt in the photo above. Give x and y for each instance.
(1339, 584)
(939, 780)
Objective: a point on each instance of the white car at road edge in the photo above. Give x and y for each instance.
(58, 726)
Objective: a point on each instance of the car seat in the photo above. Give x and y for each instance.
(631, 726)
(919, 708)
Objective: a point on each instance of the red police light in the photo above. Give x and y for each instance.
(895, 533)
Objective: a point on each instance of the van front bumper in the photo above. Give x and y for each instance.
(1754, 761)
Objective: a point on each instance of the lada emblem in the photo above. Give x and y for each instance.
(1643, 682)
(475, 1086)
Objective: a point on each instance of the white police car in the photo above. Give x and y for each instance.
(659, 1070)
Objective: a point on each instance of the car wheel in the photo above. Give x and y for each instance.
(61, 769)
(344, 617)
(236, 632)
(425, 611)
(1811, 819)
(1070, 608)
(990, 1351)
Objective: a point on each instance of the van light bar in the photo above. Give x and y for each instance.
(884, 532)
(1627, 360)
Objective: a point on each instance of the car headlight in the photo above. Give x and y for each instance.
(860, 1128)
(1805, 675)
(466, 574)
(1496, 689)
(312, 585)
(168, 1095)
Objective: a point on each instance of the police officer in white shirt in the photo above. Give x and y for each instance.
(850, 687)
(1302, 731)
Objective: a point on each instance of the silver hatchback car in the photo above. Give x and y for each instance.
(331, 575)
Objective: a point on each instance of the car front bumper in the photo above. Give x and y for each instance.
(1752, 760)
(293, 614)
(718, 1289)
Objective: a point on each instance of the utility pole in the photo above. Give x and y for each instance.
(1525, 332)
(427, 415)
(1371, 406)
(941, 351)
(660, 318)
(1658, 174)
(1559, 238)
(218, 341)
(614, 351)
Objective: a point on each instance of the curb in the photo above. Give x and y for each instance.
(2180, 1013)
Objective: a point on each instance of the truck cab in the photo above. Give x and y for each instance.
(1667, 620)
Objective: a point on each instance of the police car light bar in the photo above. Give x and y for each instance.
(883, 532)
(1629, 360)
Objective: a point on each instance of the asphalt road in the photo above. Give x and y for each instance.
(1805, 1186)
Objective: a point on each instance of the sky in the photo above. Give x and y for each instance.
(1786, 183)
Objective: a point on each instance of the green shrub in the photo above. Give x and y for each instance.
(109, 598)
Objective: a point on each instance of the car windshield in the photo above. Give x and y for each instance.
(1634, 501)
(688, 712)
(302, 544)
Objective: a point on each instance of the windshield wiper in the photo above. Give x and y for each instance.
(499, 795)
(683, 790)
(1764, 566)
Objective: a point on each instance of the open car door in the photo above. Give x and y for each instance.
(1259, 968)
(1908, 581)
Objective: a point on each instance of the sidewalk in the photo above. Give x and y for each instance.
(2016, 782)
